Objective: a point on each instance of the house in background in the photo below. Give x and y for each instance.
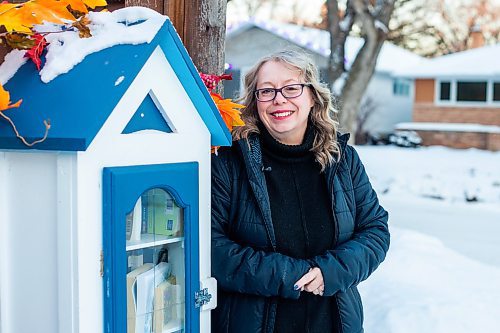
(457, 99)
(389, 96)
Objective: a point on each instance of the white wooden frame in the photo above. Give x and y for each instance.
(453, 92)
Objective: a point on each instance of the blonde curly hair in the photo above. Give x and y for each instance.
(325, 146)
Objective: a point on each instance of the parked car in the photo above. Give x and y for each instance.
(405, 139)
(377, 139)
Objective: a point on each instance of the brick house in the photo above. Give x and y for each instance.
(457, 100)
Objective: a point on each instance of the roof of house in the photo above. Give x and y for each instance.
(79, 102)
(392, 58)
(483, 61)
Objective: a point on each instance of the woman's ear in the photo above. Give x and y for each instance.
(311, 99)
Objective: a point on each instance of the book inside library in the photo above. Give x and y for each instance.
(155, 264)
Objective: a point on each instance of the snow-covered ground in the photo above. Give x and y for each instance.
(442, 272)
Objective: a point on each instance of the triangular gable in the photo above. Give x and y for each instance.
(149, 117)
(79, 102)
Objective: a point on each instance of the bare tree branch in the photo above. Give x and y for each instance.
(442, 26)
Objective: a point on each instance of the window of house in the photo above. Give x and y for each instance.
(401, 87)
(232, 87)
(445, 91)
(496, 92)
(471, 91)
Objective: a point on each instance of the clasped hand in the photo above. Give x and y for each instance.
(311, 282)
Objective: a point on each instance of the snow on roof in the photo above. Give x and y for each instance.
(66, 49)
(483, 61)
(392, 59)
(448, 127)
(105, 75)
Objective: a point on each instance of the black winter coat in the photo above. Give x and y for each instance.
(251, 274)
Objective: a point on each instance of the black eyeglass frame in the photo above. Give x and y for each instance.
(280, 90)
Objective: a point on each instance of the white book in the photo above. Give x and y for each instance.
(131, 306)
(163, 305)
(136, 221)
(145, 285)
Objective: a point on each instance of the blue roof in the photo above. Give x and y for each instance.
(79, 102)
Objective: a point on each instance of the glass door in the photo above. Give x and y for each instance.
(153, 249)
(155, 264)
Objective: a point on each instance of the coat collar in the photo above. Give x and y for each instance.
(251, 147)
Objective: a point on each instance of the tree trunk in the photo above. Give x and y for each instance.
(374, 17)
(339, 30)
(205, 33)
(359, 77)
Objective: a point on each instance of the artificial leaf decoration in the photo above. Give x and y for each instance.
(95, 3)
(21, 17)
(19, 20)
(5, 100)
(83, 27)
(47, 10)
(81, 6)
(77, 5)
(19, 41)
(211, 81)
(14, 19)
(228, 110)
(5, 6)
(36, 51)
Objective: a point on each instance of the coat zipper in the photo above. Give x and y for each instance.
(335, 221)
(336, 233)
(254, 170)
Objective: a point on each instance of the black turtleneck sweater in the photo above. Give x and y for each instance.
(303, 225)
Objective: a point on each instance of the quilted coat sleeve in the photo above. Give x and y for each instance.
(240, 268)
(354, 260)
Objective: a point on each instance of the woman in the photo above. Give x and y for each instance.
(296, 224)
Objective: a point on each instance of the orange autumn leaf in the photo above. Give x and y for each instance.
(95, 3)
(14, 19)
(48, 10)
(5, 100)
(21, 17)
(4, 7)
(229, 111)
(81, 5)
(77, 5)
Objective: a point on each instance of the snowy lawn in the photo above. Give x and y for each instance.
(443, 275)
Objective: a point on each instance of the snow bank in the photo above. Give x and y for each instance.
(425, 287)
(445, 277)
(434, 172)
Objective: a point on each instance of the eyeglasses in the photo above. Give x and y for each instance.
(288, 91)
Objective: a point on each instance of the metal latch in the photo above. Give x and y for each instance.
(202, 297)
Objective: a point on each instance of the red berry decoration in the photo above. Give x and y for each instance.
(211, 80)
